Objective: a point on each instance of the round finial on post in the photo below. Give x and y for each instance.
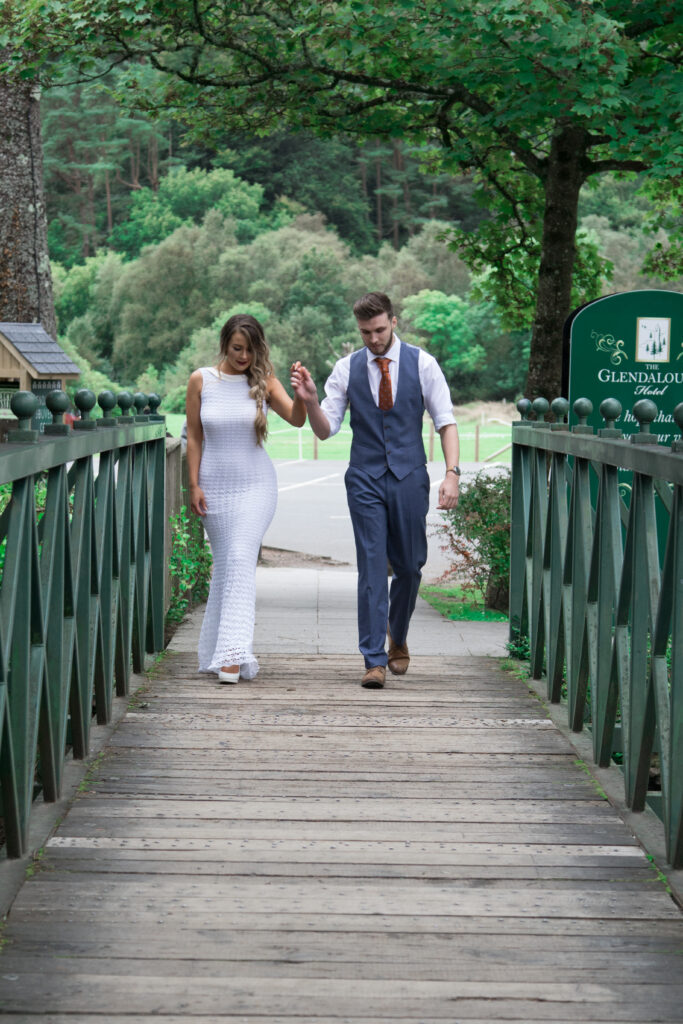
(677, 443)
(559, 408)
(645, 411)
(140, 403)
(540, 407)
(124, 400)
(23, 404)
(106, 401)
(524, 408)
(85, 400)
(58, 403)
(583, 407)
(610, 410)
(154, 401)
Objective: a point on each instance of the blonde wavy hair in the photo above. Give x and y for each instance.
(260, 369)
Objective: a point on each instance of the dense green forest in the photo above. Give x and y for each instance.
(155, 241)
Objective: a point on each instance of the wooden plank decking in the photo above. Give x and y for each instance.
(298, 849)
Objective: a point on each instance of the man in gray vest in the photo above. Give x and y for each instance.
(387, 385)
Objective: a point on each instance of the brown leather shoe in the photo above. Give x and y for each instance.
(398, 658)
(374, 677)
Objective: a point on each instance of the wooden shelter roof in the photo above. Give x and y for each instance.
(43, 353)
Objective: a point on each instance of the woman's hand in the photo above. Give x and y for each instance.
(302, 383)
(197, 500)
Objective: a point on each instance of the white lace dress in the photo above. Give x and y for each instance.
(240, 486)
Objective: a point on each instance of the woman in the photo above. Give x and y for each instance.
(233, 485)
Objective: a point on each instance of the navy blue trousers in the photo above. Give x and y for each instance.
(389, 523)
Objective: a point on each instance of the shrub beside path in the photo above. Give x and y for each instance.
(297, 849)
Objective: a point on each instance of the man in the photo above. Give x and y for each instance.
(387, 385)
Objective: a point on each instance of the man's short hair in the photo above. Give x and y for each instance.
(372, 304)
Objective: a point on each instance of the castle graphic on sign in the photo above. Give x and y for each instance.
(652, 339)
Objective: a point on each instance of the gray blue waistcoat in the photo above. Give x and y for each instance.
(393, 439)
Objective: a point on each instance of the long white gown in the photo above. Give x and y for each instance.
(240, 487)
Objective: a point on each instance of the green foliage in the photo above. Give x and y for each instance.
(149, 381)
(320, 175)
(184, 198)
(90, 377)
(447, 321)
(156, 318)
(459, 605)
(529, 98)
(165, 293)
(189, 564)
(96, 157)
(518, 646)
(479, 358)
(665, 259)
(476, 535)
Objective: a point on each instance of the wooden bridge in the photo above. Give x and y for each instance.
(297, 849)
(300, 849)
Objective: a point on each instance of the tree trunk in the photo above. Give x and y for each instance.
(25, 281)
(394, 199)
(363, 179)
(378, 199)
(558, 249)
(153, 163)
(110, 216)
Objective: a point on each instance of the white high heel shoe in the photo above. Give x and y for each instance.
(228, 677)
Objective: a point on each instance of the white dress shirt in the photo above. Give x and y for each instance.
(435, 391)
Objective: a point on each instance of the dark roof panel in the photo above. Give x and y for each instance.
(38, 348)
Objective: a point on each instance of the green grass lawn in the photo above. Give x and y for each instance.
(284, 441)
(456, 604)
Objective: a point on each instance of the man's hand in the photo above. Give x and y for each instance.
(449, 491)
(302, 383)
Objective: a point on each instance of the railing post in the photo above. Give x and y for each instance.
(605, 573)
(535, 544)
(158, 515)
(638, 600)
(519, 523)
(576, 572)
(555, 543)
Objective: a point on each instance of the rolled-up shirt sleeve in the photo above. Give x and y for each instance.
(435, 391)
(336, 400)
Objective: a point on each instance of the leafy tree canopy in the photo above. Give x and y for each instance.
(533, 96)
(185, 197)
(447, 321)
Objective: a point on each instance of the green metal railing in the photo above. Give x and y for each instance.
(81, 585)
(596, 584)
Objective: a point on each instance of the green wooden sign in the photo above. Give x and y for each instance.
(629, 346)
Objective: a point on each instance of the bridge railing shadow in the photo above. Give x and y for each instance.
(596, 585)
(82, 537)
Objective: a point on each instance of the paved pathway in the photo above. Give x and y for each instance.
(297, 849)
(312, 514)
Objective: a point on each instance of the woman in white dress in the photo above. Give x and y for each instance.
(233, 485)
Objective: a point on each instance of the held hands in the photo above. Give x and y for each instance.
(197, 500)
(449, 491)
(302, 383)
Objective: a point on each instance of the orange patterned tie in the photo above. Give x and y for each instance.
(386, 399)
